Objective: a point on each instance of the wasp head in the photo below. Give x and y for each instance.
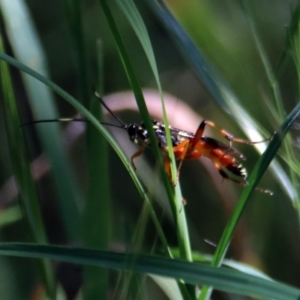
(137, 133)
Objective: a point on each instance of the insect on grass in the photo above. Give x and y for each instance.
(186, 145)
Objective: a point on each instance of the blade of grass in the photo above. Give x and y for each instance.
(258, 171)
(140, 101)
(74, 11)
(100, 128)
(223, 279)
(97, 214)
(138, 94)
(275, 90)
(135, 19)
(96, 217)
(21, 170)
(27, 48)
(294, 38)
(129, 9)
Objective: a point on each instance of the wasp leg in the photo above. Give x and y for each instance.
(135, 155)
(227, 135)
(167, 166)
(180, 152)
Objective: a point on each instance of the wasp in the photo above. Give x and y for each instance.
(186, 145)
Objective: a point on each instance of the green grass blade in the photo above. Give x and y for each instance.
(143, 110)
(27, 48)
(22, 173)
(97, 213)
(137, 92)
(258, 171)
(136, 21)
(97, 221)
(223, 279)
(129, 9)
(74, 11)
(100, 128)
(96, 217)
(274, 84)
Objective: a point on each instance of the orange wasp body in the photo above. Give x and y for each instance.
(187, 145)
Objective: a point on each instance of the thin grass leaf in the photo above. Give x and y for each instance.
(258, 171)
(27, 48)
(136, 88)
(136, 21)
(100, 128)
(221, 278)
(134, 18)
(97, 213)
(294, 43)
(75, 20)
(274, 84)
(292, 30)
(193, 56)
(22, 173)
(137, 92)
(144, 112)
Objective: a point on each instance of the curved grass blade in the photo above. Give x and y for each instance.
(22, 173)
(74, 11)
(144, 111)
(27, 48)
(129, 9)
(274, 84)
(135, 19)
(258, 171)
(223, 279)
(101, 129)
(136, 88)
(97, 212)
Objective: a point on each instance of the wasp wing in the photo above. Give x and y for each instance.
(227, 149)
(180, 135)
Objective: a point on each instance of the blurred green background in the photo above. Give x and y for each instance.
(268, 234)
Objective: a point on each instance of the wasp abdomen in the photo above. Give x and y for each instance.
(237, 169)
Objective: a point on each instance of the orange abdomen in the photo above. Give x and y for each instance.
(220, 159)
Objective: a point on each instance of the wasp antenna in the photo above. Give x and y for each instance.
(55, 120)
(264, 191)
(109, 110)
(114, 125)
